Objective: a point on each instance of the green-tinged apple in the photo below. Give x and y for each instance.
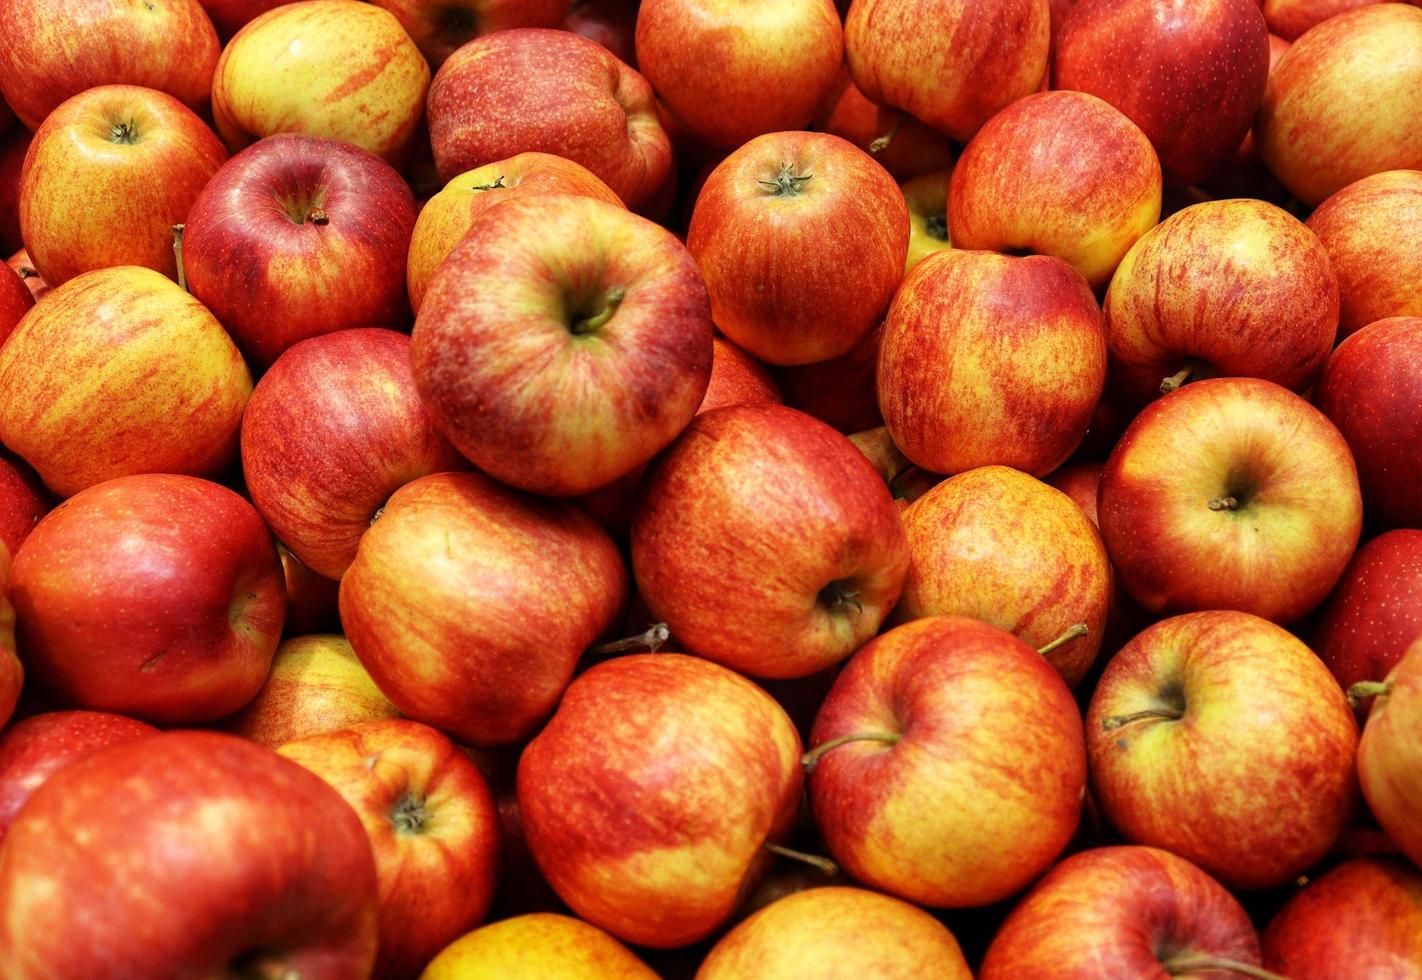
(539, 946)
(331, 431)
(337, 69)
(260, 868)
(616, 795)
(941, 739)
(117, 372)
(432, 828)
(767, 542)
(802, 239)
(951, 63)
(15, 301)
(23, 501)
(1222, 738)
(311, 599)
(997, 545)
(441, 27)
(1342, 103)
(51, 50)
(901, 144)
(1231, 493)
(28, 274)
(560, 384)
(841, 391)
(1390, 752)
(1124, 912)
(470, 603)
(553, 92)
(12, 673)
(316, 231)
(14, 144)
(990, 360)
(109, 173)
(447, 217)
(927, 198)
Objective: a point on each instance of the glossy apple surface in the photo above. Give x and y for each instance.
(538, 946)
(23, 501)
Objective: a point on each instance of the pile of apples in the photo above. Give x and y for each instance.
(904, 489)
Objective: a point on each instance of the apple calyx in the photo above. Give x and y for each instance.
(1072, 632)
(497, 185)
(1222, 964)
(178, 256)
(1176, 380)
(841, 595)
(1361, 691)
(124, 133)
(652, 638)
(410, 815)
(811, 759)
(592, 324)
(787, 183)
(882, 143)
(813, 860)
(1224, 503)
(937, 226)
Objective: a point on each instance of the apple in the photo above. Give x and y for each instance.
(951, 63)
(1124, 912)
(15, 301)
(1057, 173)
(29, 275)
(561, 384)
(470, 603)
(1290, 19)
(14, 144)
(539, 946)
(846, 932)
(441, 27)
(316, 232)
(611, 23)
(991, 360)
(12, 673)
(23, 501)
(842, 391)
(941, 738)
(336, 69)
(614, 794)
(119, 371)
(1339, 106)
(311, 599)
(1389, 760)
(432, 828)
(802, 239)
(51, 50)
(1235, 288)
(1222, 738)
(927, 198)
(230, 16)
(994, 544)
(1231, 493)
(1372, 231)
(554, 92)
(902, 145)
(315, 685)
(767, 542)
(108, 175)
(260, 867)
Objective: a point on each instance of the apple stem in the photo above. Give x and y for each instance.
(1205, 963)
(1361, 691)
(813, 860)
(812, 758)
(409, 815)
(1073, 631)
(124, 133)
(882, 143)
(1176, 380)
(787, 183)
(652, 638)
(26, 272)
(1224, 503)
(178, 256)
(594, 323)
(317, 216)
(1121, 721)
(498, 184)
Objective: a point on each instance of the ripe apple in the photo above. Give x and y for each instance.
(230, 16)
(951, 63)
(551, 91)
(1057, 173)
(15, 301)
(540, 946)
(1290, 19)
(767, 542)
(1124, 912)
(14, 144)
(23, 501)
(614, 795)
(29, 275)
(418, 603)
(1340, 106)
(1231, 493)
(611, 23)
(941, 738)
(927, 198)
(120, 371)
(432, 828)
(337, 69)
(1222, 738)
(51, 50)
(1390, 753)
(260, 868)
(991, 360)
(802, 239)
(840, 392)
(108, 175)
(441, 27)
(902, 145)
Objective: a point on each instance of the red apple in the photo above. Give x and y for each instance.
(900, 143)
(311, 599)
(14, 144)
(767, 542)
(802, 240)
(541, 946)
(23, 501)
(230, 16)
(15, 301)
(441, 27)
(842, 391)
(28, 274)
(611, 23)
(651, 795)
(12, 673)
(1390, 753)
(259, 867)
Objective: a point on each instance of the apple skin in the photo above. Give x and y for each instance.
(109, 173)
(1057, 173)
(1226, 288)
(913, 148)
(1291, 19)
(611, 23)
(230, 16)
(927, 198)
(1390, 755)
(314, 231)
(14, 144)
(1278, 550)
(1075, 925)
(951, 63)
(997, 545)
(336, 69)
(447, 217)
(15, 301)
(802, 239)
(315, 685)
(331, 431)
(539, 946)
(12, 672)
(257, 862)
(1340, 104)
(55, 49)
(835, 931)
(29, 275)
(990, 749)
(1222, 738)
(989, 360)
(613, 795)
(840, 392)
(432, 828)
(415, 603)
(1189, 73)
(551, 91)
(119, 371)
(819, 552)
(23, 501)
(441, 27)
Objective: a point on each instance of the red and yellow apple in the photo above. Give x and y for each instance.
(1390, 753)
(15, 301)
(902, 145)
(28, 274)
(23, 501)
(927, 198)
(539, 946)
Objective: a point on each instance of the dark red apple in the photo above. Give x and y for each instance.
(15, 300)
(23, 500)
(840, 391)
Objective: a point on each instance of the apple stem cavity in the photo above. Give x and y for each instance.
(1176, 380)
(178, 256)
(652, 638)
(594, 323)
(317, 216)
(124, 133)
(811, 759)
(1224, 503)
(1202, 964)
(841, 595)
(813, 860)
(881, 143)
(1121, 721)
(497, 185)
(1361, 691)
(26, 272)
(787, 183)
(1072, 632)
(409, 815)
(937, 226)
